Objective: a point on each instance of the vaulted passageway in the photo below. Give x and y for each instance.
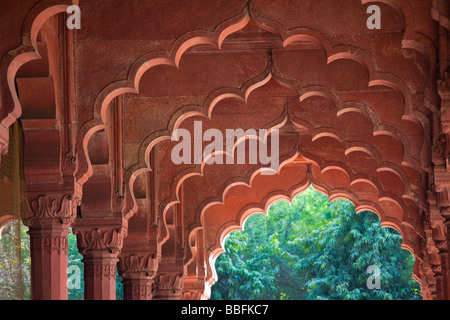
(311, 249)
(94, 116)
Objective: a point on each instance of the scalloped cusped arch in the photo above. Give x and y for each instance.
(360, 114)
(191, 39)
(242, 201)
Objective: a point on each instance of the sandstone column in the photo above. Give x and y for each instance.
(49, 218)
(100, 245)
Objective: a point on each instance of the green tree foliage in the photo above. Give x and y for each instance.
(15, 263)
(311, 250)
(75, 259)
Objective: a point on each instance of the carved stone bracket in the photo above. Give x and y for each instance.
(99, 243)
(105, 238)
(46, 208)
(168, 285)
(136, 265)
(137, 271)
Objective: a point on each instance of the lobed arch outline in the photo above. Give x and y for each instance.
(347, 106)
(17, 62)
(357, 146)
(412, 39)
(353, 147)
(378, 129)
(323, 166)
(147, 146)
(349, 147)
(181, 45)
(357, 54)
(382, 195)
(187, 173)
(383, 165)
(217, 247)
(28, 50)
(224, 29)
(399, 200)
(199, 170)
(5, 219)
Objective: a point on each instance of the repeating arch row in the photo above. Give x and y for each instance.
(232, 217)
(316, 134)
(217, 37)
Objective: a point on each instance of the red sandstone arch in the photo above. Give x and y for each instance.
(350, 149)
(398, 182)
(383, 166)
(356, 179)
(412, 39)
(5, 219)
(26, 52)
(221, 219)
(194, 38)
(341, 191)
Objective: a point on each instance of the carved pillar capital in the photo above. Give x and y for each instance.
(195, 289)
(137, 270)
(92, 240)
(49, 209)
(135, 265)
(49, 217)
(100, 243)
(168, 286)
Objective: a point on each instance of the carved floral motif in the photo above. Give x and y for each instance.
(104, 238)
(47, 207)
(138, 263)
(169, 284)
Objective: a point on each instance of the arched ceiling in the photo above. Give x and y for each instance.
(357, 109)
